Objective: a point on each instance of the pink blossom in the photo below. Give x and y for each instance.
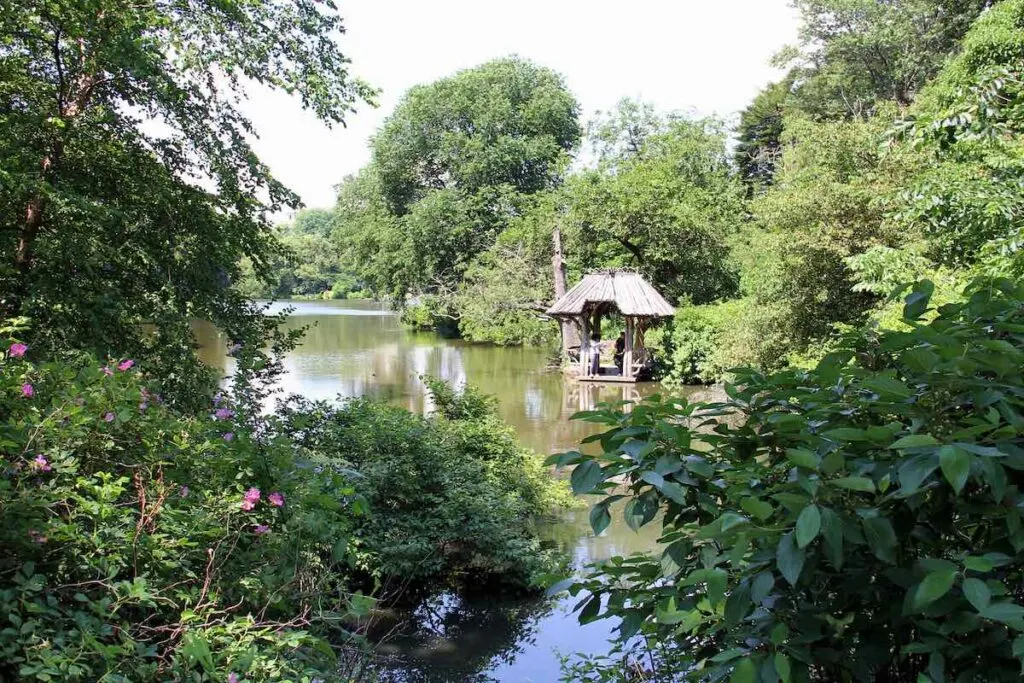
(109, 417)
(27, 391)
(18, 350)
(41, 463)
(143, 406)
(183, 492)
(126, 365)
(229, 436)
(107, 371)
(223, 413)
(276, 499)
(250, 498)
(261, 529)
(36, 536)
(232, 677)
(217, 398)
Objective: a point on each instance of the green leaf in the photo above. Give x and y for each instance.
(716, 583)
(915, 441)
(803, 458)
(590, 610)
(600, 518)
(585, 477)
(916, 302)
(845, 434)
(653, 478)
(978, 564)
(934, 585)
(1005, 612)
(977, 593)
(783, 668)
(914, 471)
(832, 533)
(881, 538)
(854, 484)
(789, 558)
(956, 466)
(762, 586)
(744, 672)
(756, 507)
(808, 524)
(674, 492)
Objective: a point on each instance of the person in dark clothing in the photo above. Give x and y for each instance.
(620, 351)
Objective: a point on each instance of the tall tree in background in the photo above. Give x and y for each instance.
(856, 53)
(759, 136)
(662, 199)
(457, 159)
(129, 190)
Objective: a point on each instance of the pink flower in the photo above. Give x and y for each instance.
(276, 499)
(107, 371)
(126, 365)
(250, 498)
(232, 677)
(217, 398)
(41, 463)
(143, 406)
(261, 529)
(229, 436)
(36, 536)
(27, 391)
(109, 417)
(183, 492)
(18, 350)
(224, 413)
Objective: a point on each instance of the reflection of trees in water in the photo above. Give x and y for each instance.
(448, 638)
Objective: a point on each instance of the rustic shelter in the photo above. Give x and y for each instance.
(599, 294)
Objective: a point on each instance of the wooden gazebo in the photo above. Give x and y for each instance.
(599, 294)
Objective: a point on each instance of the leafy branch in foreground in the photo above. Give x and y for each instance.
(860, 521)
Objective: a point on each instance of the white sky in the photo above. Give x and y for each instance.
(703, 56)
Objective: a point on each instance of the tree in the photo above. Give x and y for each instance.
(130, 192)
(506, 122)
(759, 135)
(456, 162)
(311, 222)
(664, 201)
(856, 53)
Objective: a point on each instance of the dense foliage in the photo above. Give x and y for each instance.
(141, 544)
(859, 521)
(451, 496)
(128, 188)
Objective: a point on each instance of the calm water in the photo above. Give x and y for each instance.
(357, 348)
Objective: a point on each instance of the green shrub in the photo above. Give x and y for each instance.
(452, 495)
(696, 342)
(143, 545)
(860, 521)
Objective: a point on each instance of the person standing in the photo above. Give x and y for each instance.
(620, 351)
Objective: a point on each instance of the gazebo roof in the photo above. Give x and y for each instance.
(630, 293)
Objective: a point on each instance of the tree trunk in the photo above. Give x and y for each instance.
(570, 335)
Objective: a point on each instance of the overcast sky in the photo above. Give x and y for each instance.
(704, 56)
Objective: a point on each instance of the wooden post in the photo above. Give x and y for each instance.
(566, 327)
(627, 356)
(584, 345)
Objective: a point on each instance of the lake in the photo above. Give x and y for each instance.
(358, 348)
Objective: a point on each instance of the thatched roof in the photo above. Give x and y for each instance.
(630, 293)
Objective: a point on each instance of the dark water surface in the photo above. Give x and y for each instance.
(357, 348)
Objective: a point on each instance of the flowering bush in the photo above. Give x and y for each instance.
(137, 544)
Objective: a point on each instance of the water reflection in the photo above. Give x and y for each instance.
(358, 348)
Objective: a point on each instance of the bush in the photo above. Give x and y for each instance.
(452, 496)
(140, 544)
(695, 342)
(860, 521)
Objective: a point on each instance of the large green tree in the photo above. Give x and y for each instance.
(128, 189)
(855, 54)
(662, 198)
(454, 164)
